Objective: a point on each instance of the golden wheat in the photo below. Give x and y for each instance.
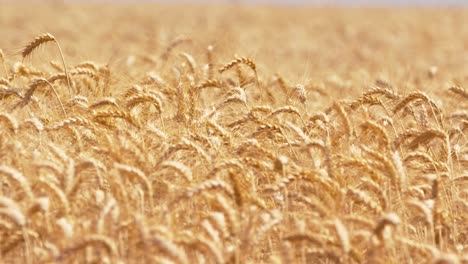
(328, 148)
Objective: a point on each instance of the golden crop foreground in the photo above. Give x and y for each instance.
(230, 134)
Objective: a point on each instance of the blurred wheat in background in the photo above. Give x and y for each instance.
(231, 134)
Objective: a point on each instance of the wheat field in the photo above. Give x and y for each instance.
(232, 134)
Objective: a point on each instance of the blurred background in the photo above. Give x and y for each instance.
(303, 40)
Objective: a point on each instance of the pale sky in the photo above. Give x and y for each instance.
(307, 2)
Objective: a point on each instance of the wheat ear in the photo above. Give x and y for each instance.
(42, 39)
(11, 210)
(17, 177)
(32, 88)
(134, 172)
(91, 240)
(2, 58)
(10, 121)
(390, 219)
(454, 89)
(237, 61)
